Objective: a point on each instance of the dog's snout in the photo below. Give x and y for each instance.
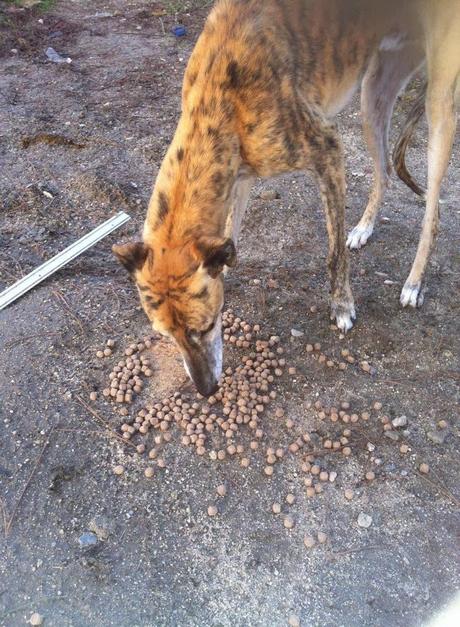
(207, 388)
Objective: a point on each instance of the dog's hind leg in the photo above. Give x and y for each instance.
(442, 121)
(388, 73)
(327, 161)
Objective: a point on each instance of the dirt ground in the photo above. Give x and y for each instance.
(158, 559)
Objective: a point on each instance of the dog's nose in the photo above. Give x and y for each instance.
(207, 388)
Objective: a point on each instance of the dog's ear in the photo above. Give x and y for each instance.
(132, 255)
(216, 252)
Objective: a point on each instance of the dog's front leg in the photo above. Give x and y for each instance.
(239, 199)
(328, 164)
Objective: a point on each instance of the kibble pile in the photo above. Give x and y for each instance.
(229, 423)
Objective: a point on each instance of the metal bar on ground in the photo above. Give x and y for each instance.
(61, 259)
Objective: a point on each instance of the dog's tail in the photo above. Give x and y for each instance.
(407, 132)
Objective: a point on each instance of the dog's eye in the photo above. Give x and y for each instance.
(208, 329)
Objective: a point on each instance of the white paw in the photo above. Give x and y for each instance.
(412, 295)
(344, 314)
(357, 238)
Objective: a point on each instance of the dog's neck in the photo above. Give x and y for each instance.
(192, 196)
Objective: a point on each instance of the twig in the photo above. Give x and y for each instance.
(67, 307)
(358, 549)
(34, 469)
(105, 424)
(441, 488)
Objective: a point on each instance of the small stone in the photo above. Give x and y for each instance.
(296, 333)
(424, 468)
(294, 621)
(290, 498)
(212, 510)
(288, 522)
(309, 542)
(438, 437)
(87, 539)
(276, 508)
(36, 619)
(378, 406)
(392, 435)
(364, 520)
(443, 424)
(268, 470)
(93, 396)
(401, 421)
(332, 476)
(348, 494)
(149, 472)
(221, 490)
(268, 194)
(370, 476)
(403, 448)
(322, 537)
(101, 526)
(119, 470)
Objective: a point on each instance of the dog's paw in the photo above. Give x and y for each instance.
(412, 295)
(357, 238)
(344, 314)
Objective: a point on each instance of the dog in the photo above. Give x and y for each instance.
(260, 91)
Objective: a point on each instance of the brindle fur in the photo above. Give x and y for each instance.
(259, 92)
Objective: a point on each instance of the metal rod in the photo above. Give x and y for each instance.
(61, 259)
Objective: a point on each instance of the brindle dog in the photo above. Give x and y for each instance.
(260, 90)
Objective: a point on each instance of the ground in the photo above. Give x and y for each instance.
(159, 559)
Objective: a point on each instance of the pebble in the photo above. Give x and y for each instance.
(424, 468)
(297, 333)
(288, 522)
(149, 472)
(391, 435)
(276, 508)
(87, 539)
(322, 537)
(212, 510)
(403, 448)
(101, 527)
(36, 619)
(370, 476)
(290, 498)
(401, 421)
(309, 542)
(294, 621)
(119, 470)
(268, 194)
(221, 490)
(348, 494)
(93, 396)
(364, 520)
(438, 437)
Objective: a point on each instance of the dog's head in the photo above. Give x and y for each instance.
(182, 292)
